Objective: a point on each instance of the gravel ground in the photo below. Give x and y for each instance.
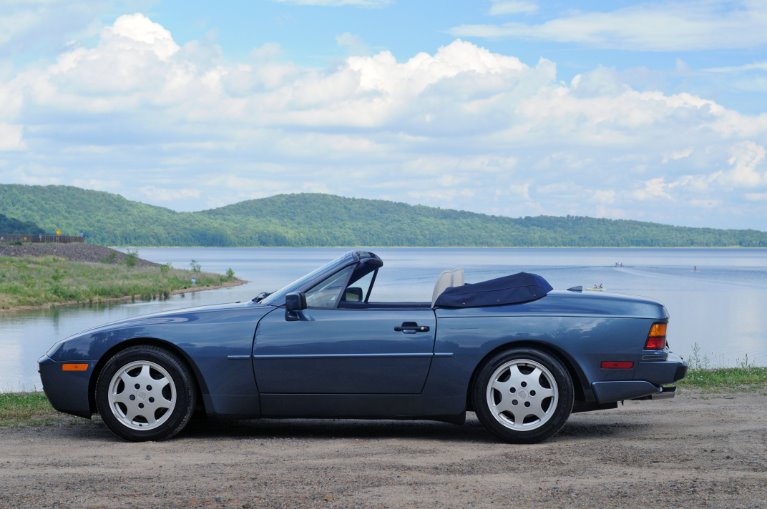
(79, 252)
(696, 450)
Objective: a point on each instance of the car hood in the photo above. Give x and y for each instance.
(177, 315)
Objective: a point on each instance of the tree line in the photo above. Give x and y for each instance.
(326, 220)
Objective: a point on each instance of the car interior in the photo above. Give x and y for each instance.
(358, 290)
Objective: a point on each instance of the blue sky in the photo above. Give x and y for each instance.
(650, 110)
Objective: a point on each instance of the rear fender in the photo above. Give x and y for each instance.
(583, 392)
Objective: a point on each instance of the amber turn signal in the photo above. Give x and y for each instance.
(74, 366)
(656, 339)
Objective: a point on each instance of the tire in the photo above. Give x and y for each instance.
(145, 393)
(523, 395)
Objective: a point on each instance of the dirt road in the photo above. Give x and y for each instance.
(696, 450)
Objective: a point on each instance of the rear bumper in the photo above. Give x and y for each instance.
(67, 391)
(650, 378)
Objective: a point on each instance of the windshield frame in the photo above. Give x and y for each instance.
(309, 280)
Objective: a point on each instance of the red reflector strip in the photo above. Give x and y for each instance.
(617, 364)
(74, 367)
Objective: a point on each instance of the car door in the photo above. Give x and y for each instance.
(332, 350)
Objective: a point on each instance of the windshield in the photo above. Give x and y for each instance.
(277, 298)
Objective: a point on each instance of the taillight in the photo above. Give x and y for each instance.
(656, 339)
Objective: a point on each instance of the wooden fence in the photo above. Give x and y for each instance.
(35, 237)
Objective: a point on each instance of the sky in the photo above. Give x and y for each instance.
(645, 110)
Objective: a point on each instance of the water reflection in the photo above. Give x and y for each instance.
(719, 306)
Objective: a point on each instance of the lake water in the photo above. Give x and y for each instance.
(717, 298)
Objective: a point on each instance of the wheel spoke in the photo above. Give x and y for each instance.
(127, 379)
(519, 415)
(502, 387)
(516, 375)
(122, 398)
(537, 411)
(544, 392)
(505, 405)
(131, 413)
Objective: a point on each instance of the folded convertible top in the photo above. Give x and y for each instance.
(514, 289)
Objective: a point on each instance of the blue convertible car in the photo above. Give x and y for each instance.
(523, 357)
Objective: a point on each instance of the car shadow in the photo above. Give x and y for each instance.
(471, 431)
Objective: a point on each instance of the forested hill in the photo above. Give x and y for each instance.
(326, 220)
(10, 225)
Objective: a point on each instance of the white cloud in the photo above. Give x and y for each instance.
(137, 28)
(653, 189)
(11, 137)
(28, 25)
(677, 155)
(505, 7)
(652, 26)
(746, 159)
(461, 127)
(604, 196)
(755, 66)
(706, 204)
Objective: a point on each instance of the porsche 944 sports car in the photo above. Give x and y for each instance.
(523, 357)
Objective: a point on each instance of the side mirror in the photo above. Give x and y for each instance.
(295, 301)
(353, 294)
(294, 304)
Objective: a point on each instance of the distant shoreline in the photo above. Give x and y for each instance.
(46, 276)
(116, 300)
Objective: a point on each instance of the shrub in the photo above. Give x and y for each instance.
(131, 258)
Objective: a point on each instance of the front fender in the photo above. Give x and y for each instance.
(215, 342)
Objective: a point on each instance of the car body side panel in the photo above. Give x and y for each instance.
(344, 351)
(215, 341)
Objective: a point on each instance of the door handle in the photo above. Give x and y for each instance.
(411, 328)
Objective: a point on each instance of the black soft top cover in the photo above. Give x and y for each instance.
(514, 289)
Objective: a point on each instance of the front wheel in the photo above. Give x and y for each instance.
(523, 395)
(145, 393)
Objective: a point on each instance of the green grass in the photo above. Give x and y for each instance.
(37, 281)
(702, 375)
(26, 409)
(749, 378)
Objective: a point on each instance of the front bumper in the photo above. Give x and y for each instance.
(66, 390)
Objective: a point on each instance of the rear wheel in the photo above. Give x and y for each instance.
(145, 393)
(523, 395)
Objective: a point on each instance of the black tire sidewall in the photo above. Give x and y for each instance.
(178, 371)
(564, 403)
